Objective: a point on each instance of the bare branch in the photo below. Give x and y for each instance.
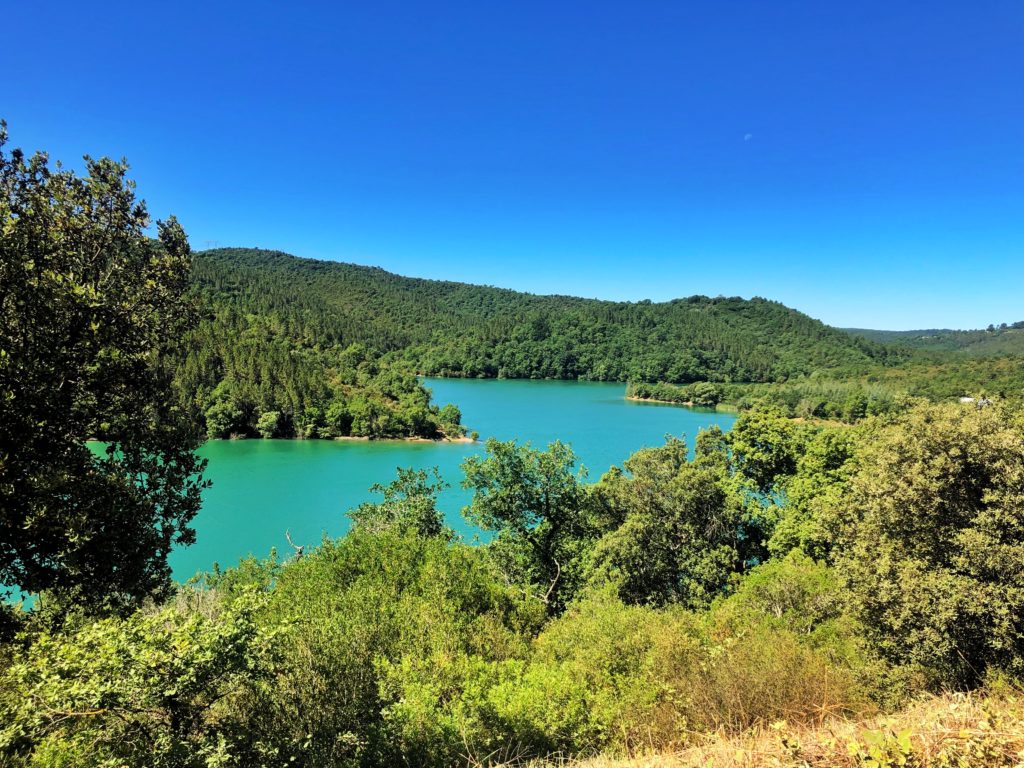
(554, 581)
(297, 547)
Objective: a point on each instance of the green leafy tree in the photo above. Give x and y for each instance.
(269, 424)
(339, 418)
(450, 419)
(90, 310)
(224, 417)
(765, 446)
(706, 395)
(808, 519)
(410, 504)
(536, 503)
(681, 535)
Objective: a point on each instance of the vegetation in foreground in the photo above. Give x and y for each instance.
(785, 572)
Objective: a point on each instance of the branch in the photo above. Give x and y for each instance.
(554, 581)
(297, 547)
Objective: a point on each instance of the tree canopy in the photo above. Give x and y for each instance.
(91, 310)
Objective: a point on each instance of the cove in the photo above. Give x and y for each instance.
(262, 488)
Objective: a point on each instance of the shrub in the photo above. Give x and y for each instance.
(158, 689)
(933, 551)
(269, 424)
(362, 607)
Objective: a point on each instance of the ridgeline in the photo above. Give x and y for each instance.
(455, 329)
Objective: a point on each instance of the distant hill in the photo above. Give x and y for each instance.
(455, 329)
(995, 341)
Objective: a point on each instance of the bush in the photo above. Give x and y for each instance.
(933, 547)
(269, 424)
(159, 689)
(361, 608)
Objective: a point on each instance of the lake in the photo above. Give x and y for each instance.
(262, 488)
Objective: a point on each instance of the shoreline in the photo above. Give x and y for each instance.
(348, 439)
(683, 403)
(720, 408)
(364, 439)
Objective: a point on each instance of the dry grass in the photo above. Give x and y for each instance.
(954, 730)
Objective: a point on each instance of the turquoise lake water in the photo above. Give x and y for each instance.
(262, 488)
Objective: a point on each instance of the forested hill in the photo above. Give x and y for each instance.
(455, 329)
(994, 341)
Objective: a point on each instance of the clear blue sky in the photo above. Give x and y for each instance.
(861, 161)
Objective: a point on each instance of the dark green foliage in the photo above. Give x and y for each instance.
(281, 332)
(453, 329)
(535, 502)
(681, 530)
(238, 367)
(90, 310)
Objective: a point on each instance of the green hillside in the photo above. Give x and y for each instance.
(455, 329)
(994, 341)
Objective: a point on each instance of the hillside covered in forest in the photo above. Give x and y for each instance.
(455, 329)
(1003, 339)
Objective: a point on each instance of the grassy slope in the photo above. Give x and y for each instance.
(951, 730)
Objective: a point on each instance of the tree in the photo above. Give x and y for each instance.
(224, 417)
(269, 424)
(706, 395)
(535, 501)
(450, 419)
(808, 520)
(765, 447)
(90, 309)
(410, 504)
(933, 545)
(681, 535)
